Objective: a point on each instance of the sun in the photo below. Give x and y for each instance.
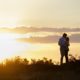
(9, 47)
(6, 42)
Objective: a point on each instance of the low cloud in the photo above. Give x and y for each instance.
(24, 30)
(75, 38)
(47, 39)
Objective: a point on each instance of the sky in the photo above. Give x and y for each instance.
(40, 13)
(36, 25)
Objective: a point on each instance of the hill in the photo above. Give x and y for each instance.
(22, 69)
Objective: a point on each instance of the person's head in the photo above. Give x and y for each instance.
(64, 35)
(67, 38)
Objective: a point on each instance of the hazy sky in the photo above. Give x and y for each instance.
(56, 13)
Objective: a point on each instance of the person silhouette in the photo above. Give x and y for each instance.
(67, 44)
(64, 47)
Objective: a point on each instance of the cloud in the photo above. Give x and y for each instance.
(34, 29)
(75, 38)
(24, 30)
(47, 39)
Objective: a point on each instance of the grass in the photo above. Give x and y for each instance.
(22, 69)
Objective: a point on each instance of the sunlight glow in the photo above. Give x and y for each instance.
(9, 47)
(8, 21)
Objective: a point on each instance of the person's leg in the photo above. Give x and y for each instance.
(62, 55)
(66, 56)
(61, 60)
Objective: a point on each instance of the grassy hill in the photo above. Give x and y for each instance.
(22, 69)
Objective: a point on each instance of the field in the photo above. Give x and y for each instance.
(22, 69)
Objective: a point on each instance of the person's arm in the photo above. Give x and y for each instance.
(59, 42)
(68, 44)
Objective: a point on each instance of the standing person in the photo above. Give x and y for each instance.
(63, 47)
(67, 48)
